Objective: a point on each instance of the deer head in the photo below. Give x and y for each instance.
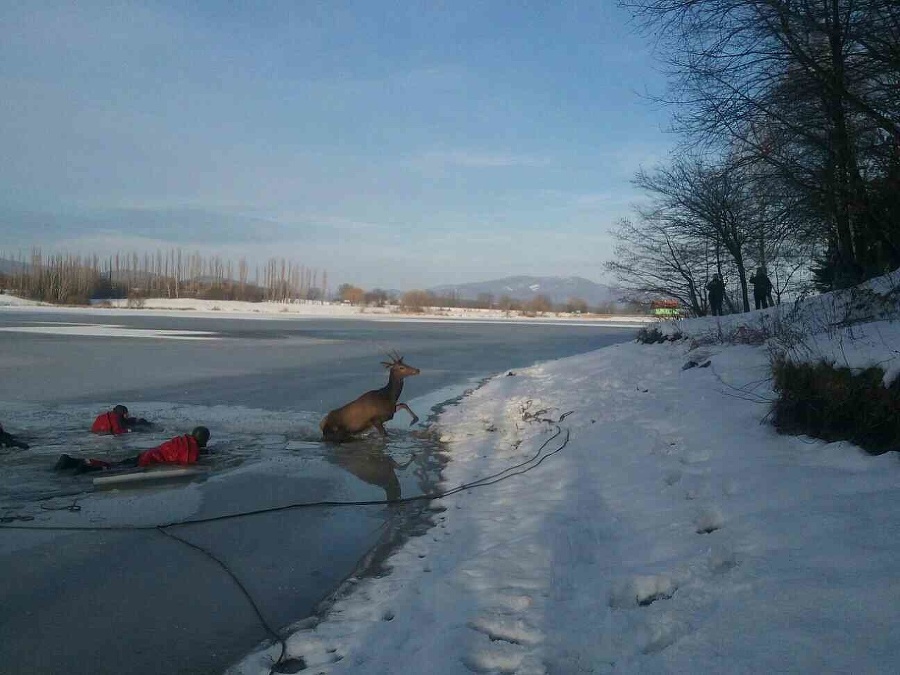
(397, 367)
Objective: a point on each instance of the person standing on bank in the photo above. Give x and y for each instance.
(762, 288)
(716, 289)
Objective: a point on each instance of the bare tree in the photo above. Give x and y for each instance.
(656, 258)
(710, 204)
(417, 300)
(820, 79)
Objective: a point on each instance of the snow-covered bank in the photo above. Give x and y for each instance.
(654, 523)
(328, 310)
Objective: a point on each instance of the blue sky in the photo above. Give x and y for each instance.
(394, 144)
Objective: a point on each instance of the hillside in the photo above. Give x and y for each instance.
(524, 288)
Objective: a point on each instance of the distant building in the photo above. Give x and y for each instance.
(666, 309)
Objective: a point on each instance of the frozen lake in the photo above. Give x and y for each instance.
(138, 602)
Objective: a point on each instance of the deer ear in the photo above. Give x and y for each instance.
(386, 364)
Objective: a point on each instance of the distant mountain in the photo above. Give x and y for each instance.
(524, 288)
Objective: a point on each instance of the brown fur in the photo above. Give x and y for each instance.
(373, 408)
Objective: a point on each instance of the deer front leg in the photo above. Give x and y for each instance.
(406, 408)
(378, 425)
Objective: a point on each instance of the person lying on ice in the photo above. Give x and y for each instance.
(179, 450)
(117, 421)
(10, 441)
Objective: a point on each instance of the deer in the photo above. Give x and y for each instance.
(373, 408)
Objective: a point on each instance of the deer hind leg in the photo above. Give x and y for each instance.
(406, 408)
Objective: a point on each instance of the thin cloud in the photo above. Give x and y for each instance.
(479, 160)
(346, 224)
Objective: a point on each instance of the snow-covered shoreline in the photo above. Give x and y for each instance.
(655, 523)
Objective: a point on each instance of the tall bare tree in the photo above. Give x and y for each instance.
(654, 257)
(709, 204)
(812, 86)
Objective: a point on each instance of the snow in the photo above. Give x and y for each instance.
(14, 301)
(647, 519)
(106, 330)
(637, 513)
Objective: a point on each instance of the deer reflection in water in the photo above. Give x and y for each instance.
(371, 465)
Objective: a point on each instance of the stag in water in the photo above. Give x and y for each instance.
(373, 408)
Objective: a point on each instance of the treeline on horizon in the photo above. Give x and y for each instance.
(418, 300)
(68, 279)
(77, 280)
(788, 120)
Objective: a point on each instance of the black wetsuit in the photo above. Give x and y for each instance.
(10, 441)
(135, 423)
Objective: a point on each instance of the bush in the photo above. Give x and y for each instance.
(649, 335)
(416, 301)
(837, 404)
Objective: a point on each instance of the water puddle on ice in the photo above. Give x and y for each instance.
(248, 447)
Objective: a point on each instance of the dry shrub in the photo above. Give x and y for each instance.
(835, 404)
(864, 304)
(749, 335)
(649, 335)
(780, 332)
(416, 301)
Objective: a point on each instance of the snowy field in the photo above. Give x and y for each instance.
(309, 309)
(639, 514)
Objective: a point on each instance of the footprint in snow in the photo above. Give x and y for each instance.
(497, 657)
(730, 488)
(641, 591)
(507, 628)
(722, 561)
(508, 603)
(660, 632)
(672, 477)
(709, 520)
(695, 456)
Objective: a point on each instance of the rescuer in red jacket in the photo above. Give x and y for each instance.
(117, 421)
(179, 450)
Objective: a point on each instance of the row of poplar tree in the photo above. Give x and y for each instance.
(76, 279)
